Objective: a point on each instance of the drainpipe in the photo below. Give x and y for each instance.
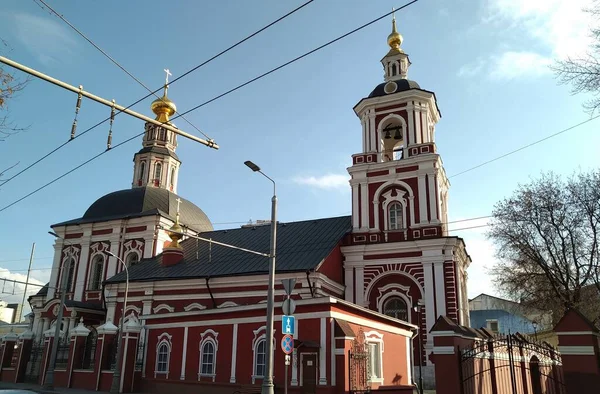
(210, 292)
(312, 294)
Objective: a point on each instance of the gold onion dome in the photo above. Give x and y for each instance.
(163, 107)
(174, 234)
(395, 39)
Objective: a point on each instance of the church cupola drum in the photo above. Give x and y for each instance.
(156, 164)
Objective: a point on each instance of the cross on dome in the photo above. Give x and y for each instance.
(166, 70)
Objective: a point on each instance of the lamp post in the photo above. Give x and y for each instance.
(417, 308)
(49, 380)
(115, 387)
(535, 325)
(267, 387)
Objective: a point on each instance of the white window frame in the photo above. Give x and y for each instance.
(208, 336)
(142, 170)
(163, 339)
(398, 297)
(93, 271)
(128, 257)
(488, 325)
(158, 168)
(400, 210)
(373, 337)
(389, 199)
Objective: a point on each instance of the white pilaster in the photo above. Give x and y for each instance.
(82, 264)
(422, 200)
(146, 310)
(411, 210)
(184, 353)
(355, 215)
(233, 353)
(429, 294)
(110, 311)
(332, 350)
(359, 285)
(432, 199)
(112, 263)
(440, 293)
(412, 139)
(56, 268)
(349, 280)
(323, 353)
(419, 140)
(376, 214)
(409, 363)
(373, 132)
(364, 206)
(365, 133)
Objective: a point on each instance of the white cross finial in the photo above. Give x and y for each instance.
(393, 13)
(166, 70)
(178, 202)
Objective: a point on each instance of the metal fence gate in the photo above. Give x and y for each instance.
(359, 365)
(34, 365)
(511, 364)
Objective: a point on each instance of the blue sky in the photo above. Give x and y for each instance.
(487, 62)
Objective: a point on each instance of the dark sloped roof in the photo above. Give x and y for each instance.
(301, 246)
(160, 150)
(44, 290)
(403, 85)
(143, 201)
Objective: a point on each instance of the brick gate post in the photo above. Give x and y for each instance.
(25, 345)
(448, 340)
(579, 345)
(131, 334)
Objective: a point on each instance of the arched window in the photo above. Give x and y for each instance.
(132, 259)
(260, 358)
(162, 357)
(162, 135)
(142, 170)
(394, 69)
(157, 172)
(396, 307)
(97, 272)
(207, 358)
(395, 216)
(172, 177)
(70, 266)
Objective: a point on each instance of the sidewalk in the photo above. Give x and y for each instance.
(38, 389)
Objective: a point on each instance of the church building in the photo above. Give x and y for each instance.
(369, 286)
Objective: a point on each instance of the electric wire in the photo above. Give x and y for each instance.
(148, 95)
(188, 111)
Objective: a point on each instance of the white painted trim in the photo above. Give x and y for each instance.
(194, 306)
(355, 216)
(576, 350)
(440, 288)
(443, 350)
(133, 308)
(227, 304)
(207, 336)
(184, 353)
(422, 200)
(392, 272)
(391, 290)
(160, 307)
(578, 333)
(408, 361)
(232, 379)
(349, 280)
(375, 337)
(164, 338)
(359, 285)
(340, 352)
(433, 209)
(428, 296)
(323, 353)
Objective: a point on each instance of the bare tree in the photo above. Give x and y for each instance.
(583, 73)
(9, 87)
(546, 236)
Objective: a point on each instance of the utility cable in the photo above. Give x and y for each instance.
(148, 95)
(195, 108)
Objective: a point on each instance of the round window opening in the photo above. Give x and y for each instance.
(390, 87)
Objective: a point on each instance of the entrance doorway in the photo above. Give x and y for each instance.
(308, 372)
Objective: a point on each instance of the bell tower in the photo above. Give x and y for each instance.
(399, 186)
(156, 164)
(399, 258)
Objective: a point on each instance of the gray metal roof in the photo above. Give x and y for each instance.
(160, 150)
(143, 201)
(301, 246)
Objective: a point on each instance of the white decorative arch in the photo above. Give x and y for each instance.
(393, 272)
(397, 117)
(160, 307)
(208, 336)
(389, 198)
(164, 339)
(194, 306)
(263, 301)
(374, 337)
(97, 251)
(394, 290)
(133, 308)
(227, 304)
(408, 201)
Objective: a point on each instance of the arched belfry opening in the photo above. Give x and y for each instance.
(392, 139)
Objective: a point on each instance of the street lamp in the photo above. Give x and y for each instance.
(267, 387)
(417, 308)
(535, 325)
(49, 380)
(116, 382)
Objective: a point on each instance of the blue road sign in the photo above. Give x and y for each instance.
(288, 324)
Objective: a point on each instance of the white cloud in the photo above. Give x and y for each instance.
(44, 37)
(329, 181)
(512, 65)
(469, 70)
(12, 292)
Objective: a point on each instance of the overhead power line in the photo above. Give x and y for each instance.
(153, 92)
(203, 104)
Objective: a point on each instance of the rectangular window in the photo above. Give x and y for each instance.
(207, 364)
(492, 325)
(375, 361)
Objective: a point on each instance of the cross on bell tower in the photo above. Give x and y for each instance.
(156, 164)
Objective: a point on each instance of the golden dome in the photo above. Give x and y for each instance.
(163, 107)
(174, 234)
(394, 39)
